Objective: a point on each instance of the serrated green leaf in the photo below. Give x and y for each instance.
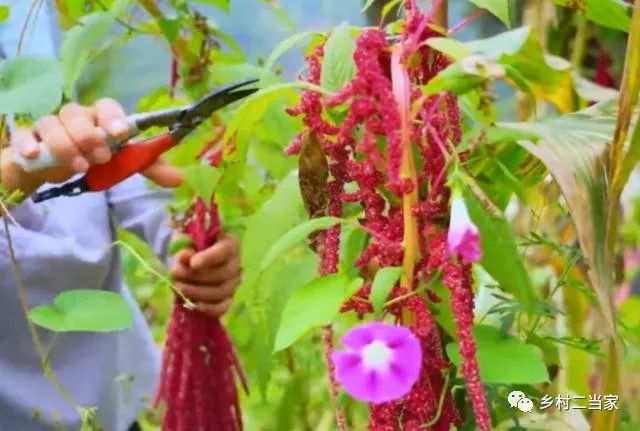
(285, 46)
(338, 66)
(504, 359)
(30, 85)
(295, 236)
(78, 42)
(500, 256)
(383, 282)
(314, 304)
(84, 311)
(252, 109)
(203, 179)
(500, 8)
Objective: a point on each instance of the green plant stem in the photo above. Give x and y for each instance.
(35, 337)
(579, 42)
(629, 93)
(187, 302)
(443, 395)
(617, 177)
(179, 45)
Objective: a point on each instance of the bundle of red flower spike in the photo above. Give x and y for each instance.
(387, 118)
(200, 366)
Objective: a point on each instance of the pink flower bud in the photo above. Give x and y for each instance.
(463, 238)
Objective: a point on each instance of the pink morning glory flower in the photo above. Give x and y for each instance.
(463, 238)
(381, 363)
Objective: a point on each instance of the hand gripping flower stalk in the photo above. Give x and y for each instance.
(394, 145)
(200, 366)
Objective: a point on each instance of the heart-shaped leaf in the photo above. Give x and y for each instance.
(84, 311)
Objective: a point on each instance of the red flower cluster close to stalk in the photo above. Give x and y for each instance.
(200, 366)
(365, 148)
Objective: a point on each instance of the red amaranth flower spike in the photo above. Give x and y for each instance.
(364, 151)
(200, 366)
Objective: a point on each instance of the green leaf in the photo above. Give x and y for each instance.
(607, 13)
(224, 5)
(252, 109)
(384, 280)
(549, 77)
(453, 78)
(84, 311)
(295, 236)
(504, 359)
(499, 8)
(591, 91)
(500, 256)
(464, 75)
(367, 5)
(170, 28)
(4, 12)
(203, 179)
(30, 85)
(78, 43)
(338, 66)
(285, 46)
(179, 244)
(451, 47)
(352, 242)
(314, 304)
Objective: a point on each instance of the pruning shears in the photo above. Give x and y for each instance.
(131, 157)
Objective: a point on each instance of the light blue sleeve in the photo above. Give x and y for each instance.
(142, 210)
(36, 25)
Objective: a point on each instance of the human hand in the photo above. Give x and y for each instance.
(209, 278)
(77, 136)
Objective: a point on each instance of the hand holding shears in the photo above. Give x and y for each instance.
(105, 166)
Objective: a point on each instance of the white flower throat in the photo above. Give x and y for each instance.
(376, 355)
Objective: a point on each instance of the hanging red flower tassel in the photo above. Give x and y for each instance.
(200, 366)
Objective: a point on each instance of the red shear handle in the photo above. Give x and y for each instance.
(128, 161)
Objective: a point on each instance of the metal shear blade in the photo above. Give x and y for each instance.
(219, 99)
(189, 117)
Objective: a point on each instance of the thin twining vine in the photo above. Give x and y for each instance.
(163, 278)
